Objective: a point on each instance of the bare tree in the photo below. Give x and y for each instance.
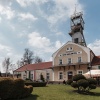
(6, 64)
(19, 63)
(37, 59)
(28, 57)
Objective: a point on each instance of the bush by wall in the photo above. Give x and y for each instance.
(69, 81)
(10, 88)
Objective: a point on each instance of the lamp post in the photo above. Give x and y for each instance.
(89, 68)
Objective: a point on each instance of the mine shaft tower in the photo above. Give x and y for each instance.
(77, 27)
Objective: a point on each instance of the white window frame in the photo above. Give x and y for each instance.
(59, 75)
(48, 76)
(78, 71)
(69, 49)
(78, 59)
(31, 76)
(61, 61)
(68, 60)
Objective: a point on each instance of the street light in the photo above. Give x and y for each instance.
(89, 68)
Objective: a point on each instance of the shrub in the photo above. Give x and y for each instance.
(19, 83)
(92, 81)
(78, 77)
(92, 86)
(5, 87)
(74, 85)
(42, 78)
(13, 89)
(25, 92)
(69, 81)
(30, 88)
(83, 83)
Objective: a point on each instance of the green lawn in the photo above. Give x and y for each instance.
(60, 92)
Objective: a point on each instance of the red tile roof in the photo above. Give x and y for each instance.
(96, 60)
(37, 66)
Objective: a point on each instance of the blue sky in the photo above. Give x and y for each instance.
(43, 26)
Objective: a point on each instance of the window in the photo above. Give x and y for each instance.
(47, 76)
(69, 61)
(60, 61)
(80, 72)
(76, 40)
(79, 59)
(69, 49)
(98, 67)
(60, 75)
(31, 76)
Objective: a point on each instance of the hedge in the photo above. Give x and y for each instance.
(13, 89)
(36, 84)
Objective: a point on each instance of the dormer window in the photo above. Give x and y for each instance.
(69, 49)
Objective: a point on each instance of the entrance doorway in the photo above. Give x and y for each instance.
(70, 74)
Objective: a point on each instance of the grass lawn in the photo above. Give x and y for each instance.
(60, 92)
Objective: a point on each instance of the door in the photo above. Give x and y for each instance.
(70, 75)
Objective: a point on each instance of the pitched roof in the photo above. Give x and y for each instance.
(37, 66)
(96, 60)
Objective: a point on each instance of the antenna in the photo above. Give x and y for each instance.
(75, 9)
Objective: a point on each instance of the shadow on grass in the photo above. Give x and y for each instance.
(87, 93)
(31, 97)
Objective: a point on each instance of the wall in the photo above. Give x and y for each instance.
(67, 69)
(43, 72)
(83, 54)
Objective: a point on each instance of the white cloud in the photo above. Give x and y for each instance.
(27, 16)
(3, 47)
(6, 51)
(36, 40)
(25, 3)
(6, 10)
(63, 10)
(6, 2)
(58, 11)
(43, 43)
(58, 44)
(0, 19)
(59, 33)
(23, 34)
(95, 47)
